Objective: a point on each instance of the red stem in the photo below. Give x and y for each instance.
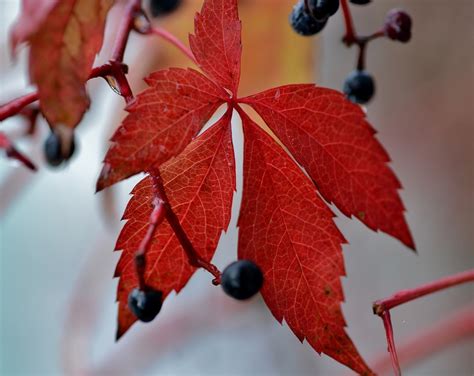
(350, 37)
(156, 217)
(13, 153)
(382, 307)
(16, 105)
(387, 323)
(131, 8)
(453, 329)
(404, 296)
(193, 256)
(166, 35)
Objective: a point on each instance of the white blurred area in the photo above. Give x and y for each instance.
(56, 289)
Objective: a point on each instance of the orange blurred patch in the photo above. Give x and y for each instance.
(272, 53)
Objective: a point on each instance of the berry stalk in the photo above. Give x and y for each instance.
(156, 217)
(131, 9)
(193, 256)
(350, 36)
(166, 35)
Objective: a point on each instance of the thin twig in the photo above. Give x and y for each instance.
(16, 105)
(131, 8)
(156, 217)
(382, 307)
(193, 256)
(387, 323)
(405, 296)
(166, 35)
(455, 328)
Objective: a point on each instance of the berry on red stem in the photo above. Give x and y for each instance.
(145, 305)
(242, 279)
(323, 9)
(303, 22)
(359, 87)
(397, 25)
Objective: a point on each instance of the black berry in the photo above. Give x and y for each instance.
(303, 22)
(145, 305)
(397, 25)
(360, 2)
(242, 279)
(359, 87)
(323, 9)
(163, 7)
(53, 150)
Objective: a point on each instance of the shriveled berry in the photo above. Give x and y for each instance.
(145, 305)
(242, 279)
(323, 9)
(359, 87)
(360, 2)
(163, 7)
(397, 25)
(303, 22)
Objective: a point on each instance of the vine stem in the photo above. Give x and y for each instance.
(193, 256)
(13, 153)
(405, 296)
(387, 323)
(131, 9)
(166, 35)
(455, 328)
(16, 105)
(156, 217)
(382, 307)
(350, 36)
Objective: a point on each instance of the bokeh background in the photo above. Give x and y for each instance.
(57, 309)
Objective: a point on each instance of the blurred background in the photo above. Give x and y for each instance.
(57, 295)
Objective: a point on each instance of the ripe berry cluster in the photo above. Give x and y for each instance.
(309, 17)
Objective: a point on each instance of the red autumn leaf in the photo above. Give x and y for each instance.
(33, 13)
(285, 227)
(199, 183)
(163, 120)
(331, 138)
(217, 42)
(64, 38)
(289, 232)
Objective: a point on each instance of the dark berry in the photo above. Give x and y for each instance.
(360, 2)
(53, 150)
(145, 305)
(359, 87)
(303, 22)
(242, 279)
(163, 7)
(397, 25)
(323, 9)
